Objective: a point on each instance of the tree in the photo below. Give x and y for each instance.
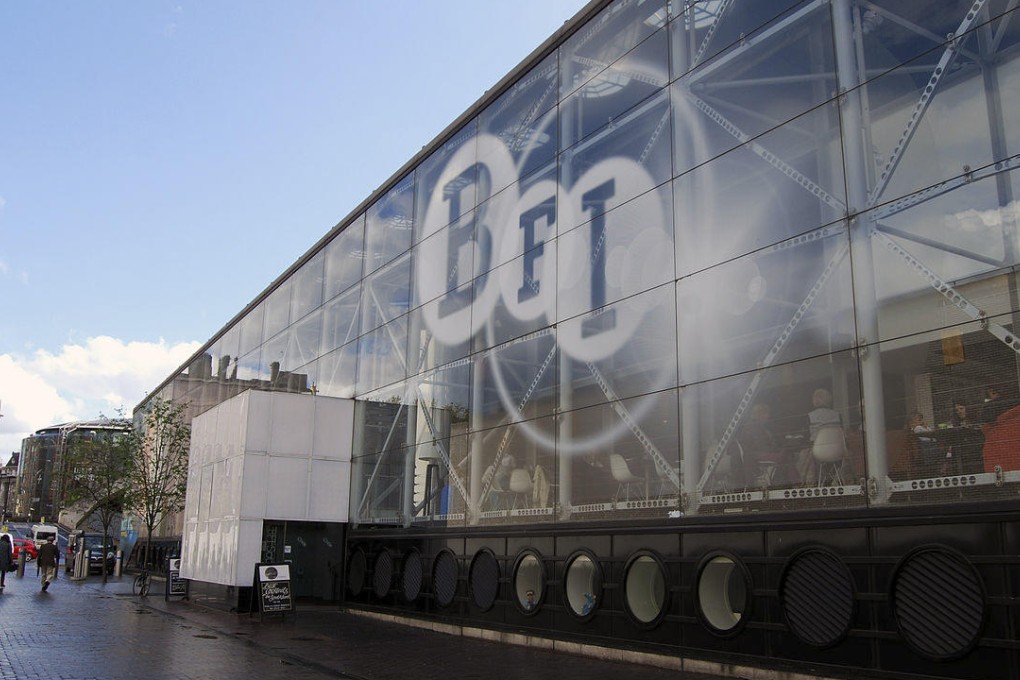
(97, 469)
(158, 474)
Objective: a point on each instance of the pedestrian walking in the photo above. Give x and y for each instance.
(47, 561)
(6, 558)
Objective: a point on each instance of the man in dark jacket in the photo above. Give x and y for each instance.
(47, 561)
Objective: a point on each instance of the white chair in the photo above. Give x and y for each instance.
(622, 474)
(520, 486)
(829, 450)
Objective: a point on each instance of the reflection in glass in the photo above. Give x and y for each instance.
(722, 593)
(582, 585)
(610, 35)
(783, 303)
(308, 282)
(759, 430)
(250, 329)
(615, 90)
(389, 224)
(524, 118)
(345, 255)
(277, 310)
(382, 356)
(645, 589)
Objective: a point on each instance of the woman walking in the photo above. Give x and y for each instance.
(6, 557)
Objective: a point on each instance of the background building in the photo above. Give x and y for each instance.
(693, 336)
(42, 481)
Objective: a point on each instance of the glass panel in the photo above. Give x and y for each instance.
(960, 237)
(445, 184)
(618, 88)
(248, 367)
(344, 258)
(627, 350)
(386, 294)
(896, 32)
(379, 463)
(619, 254)
(781, 72)
(784, 303)
(251, 330)
(389, 224)
(341, 319)
(606, 38)
(304, 340)
(1008, 86)
(226, 352)
(338, 372)
(382, 356)
(785, 183)
(527, 285)
(435, 339)
(951, 400)
(912, 151)
(274, 356)
(518, 476)
(614, 165)
(438, 489)
(762, 430)
(623, 456)
(524, 119)
(307, 287)
(708, 28)
(277, 310)
(520, 382)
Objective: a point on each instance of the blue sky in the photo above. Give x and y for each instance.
(162, 162)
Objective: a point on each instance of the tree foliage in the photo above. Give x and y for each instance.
(158, 474)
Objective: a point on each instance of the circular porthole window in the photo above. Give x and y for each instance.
(939, 604)
(817, 595)
(357, 566)
(412, 576)
(484, 579)
(444, 578)
(645, 589)
(382, 575)
(723, 593)
(529, 582)
(583, 585)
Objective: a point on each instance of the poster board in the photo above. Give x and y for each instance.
(272, 589)
(175, 585)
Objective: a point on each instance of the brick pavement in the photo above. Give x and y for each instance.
(83, 630)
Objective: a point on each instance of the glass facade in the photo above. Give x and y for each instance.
(701, 257)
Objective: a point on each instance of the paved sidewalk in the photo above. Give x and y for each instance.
(347, 645)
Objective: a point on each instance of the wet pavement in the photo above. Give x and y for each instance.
(83, 630)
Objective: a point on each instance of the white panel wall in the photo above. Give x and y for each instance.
(262, 455)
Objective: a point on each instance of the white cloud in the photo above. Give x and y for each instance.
(81, 382)
(3, 202)
(4, 269)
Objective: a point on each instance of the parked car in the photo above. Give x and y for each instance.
(26, 544)
(94, 551)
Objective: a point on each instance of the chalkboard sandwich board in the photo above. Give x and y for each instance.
(175, 585)
(272, 589)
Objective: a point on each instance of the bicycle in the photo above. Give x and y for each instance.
(142, 583)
